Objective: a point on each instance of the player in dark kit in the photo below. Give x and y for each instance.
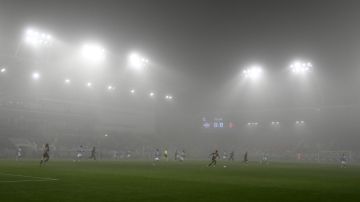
(215, 155)
(245, 158)
(176, 155)
(45, 156)
(231, 158)
(93, 152)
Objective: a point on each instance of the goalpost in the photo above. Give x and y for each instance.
(333, 156)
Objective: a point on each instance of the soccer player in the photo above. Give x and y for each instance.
(343, 161)
(93, 152)
(231, 157)
(79, 154)
(19, 154)
(215, 155)
(116, 155)
(225, 155)
(265, 159)
(176, 155)
(45, 157)
(128, 154)
(166, 154)
(157, 155)
(246, 158)
(182, 155)
(299, 156)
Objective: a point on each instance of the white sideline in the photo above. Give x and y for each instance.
(35, 179)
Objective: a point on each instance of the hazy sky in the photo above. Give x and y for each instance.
(209, 42)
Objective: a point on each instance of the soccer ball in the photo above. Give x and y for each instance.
(225, 166)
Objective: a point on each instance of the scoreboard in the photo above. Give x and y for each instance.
(216, 123)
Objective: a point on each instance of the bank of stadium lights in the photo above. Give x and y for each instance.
(93, 53)
(137, 62)
(35, 76)
(110, 87)
(300, 67)
(253, 124)
(152, 94)
(253, 73)
(67, 81)
(37, 38)
(299, 123)
(169, 97)
(275, 123)
(132, 91)
(3, 70)
(89, 84)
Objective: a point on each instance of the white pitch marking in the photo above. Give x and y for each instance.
(35, 179)
(7, 181)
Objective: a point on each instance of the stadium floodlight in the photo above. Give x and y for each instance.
(136, 61)
(89, 84)
(3, 70)
(300, 123)
(67, 81)
(275, 123)
(300, 67)
(93, 53)
(169, 97)
(110, 87)
(151, 94)
(132, 91)
(253, 73)
(106, 135)
(252, 123)
(36, 38)
(35, 76)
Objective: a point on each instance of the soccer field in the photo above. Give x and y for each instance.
(172, 181)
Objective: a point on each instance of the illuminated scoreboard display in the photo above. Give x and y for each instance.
(216, 123)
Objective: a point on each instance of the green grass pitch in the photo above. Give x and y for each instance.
(103, 181)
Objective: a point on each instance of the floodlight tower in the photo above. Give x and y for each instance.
(300, 123)
(253, 73)
(93, 53)
(169, 97)
(35, 76)
(89, 84)
(300, 67)
(37, 38)
(137, 61)
(110, 88)
(67, 81)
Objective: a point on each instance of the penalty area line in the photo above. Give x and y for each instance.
(34, 178)
(9, 181)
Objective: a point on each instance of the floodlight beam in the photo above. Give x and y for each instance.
(93, 53)
(253, 73)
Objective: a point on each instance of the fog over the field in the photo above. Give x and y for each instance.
(197, 52)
